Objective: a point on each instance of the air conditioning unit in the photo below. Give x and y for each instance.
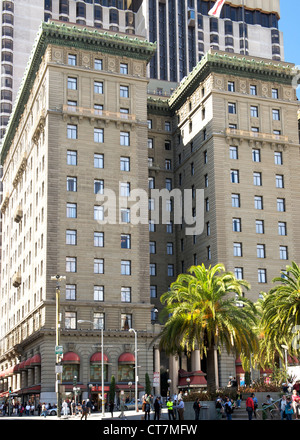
(16, 280)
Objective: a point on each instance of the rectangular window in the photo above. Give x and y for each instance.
(71, 157)
(276, 115)
(257, 180)
(256, 155)
(169, 227)
(253, 90)
(238, 273)
(71, 237)
(125, 241)
(152, 269)
(169, 248)
(279, 181)
(170, 270)
(281, 205)
(72, 60)
(125, 215)
(72, 83)
(99, 135)
(98, 293)
(98, 64)
(98, 186)
(150, 143)
(259, 226)
(124, 91)
(99, 239)
(274, 93)
(232, 108)
(167, 126)
(282, 228)
(278, 158)
(126, 294)
(98, 265)
(98, 109)
(231, 86)
(168, 164)
(234, 176)
(260, 251)
(72, 184)
(71, 292)
(169, 184)
(99, 321)
(254, 111)
(153, 291)
(235, 201)
(258, 202)
(71, 210)
(124, 69)
(98, 213)
(124, 189)
(283, 252)
(125, 267)
(98, 160)
(124, 138)
(70, 320)
(98, 87)
(262, 275)
(71, 264)
(236, 225)
(233, 152)
(71, 131)
(152, 247)
(126, 321)
(124, 164)
(237, 249)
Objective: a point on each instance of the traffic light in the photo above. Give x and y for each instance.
(9, 390)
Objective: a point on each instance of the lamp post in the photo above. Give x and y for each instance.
(135, 374)
(130, 385)
(81, 321)
(188, 384)
(285, 347)
(58, 366)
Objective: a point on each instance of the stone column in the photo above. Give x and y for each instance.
(157, 368)
(173, 373)
(196, 360)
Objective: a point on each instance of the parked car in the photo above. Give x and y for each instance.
(53, 411)
(131, 405)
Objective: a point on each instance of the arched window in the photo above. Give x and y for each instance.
(96, 367)
(71, 364)
(126, 364)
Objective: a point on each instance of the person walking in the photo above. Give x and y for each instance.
(295, 403)
(156, 409)
(65, 408)
(44, 410)
(282, 405)
(196, 408)
(180, 409)
(84, 410)
(238, 398)
(289, 408)
(250, 406)
(219, 407)
(73, 408)
(228, 409)
(111, 408)
(170, 405)
(147, 409)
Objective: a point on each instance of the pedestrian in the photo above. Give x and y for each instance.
(89, 406)
(289, 409)
(65, 408)
(85, 410)
(250, 406)
(32, 408)
(44, 410)
(170, 405)
(156, 408)
(255, 401)
(238, 398)
(147, 409)
(111, 408)
(180, 409)
(219, 407)
(39, 408)
(282, 405)
(228, 409)
(196, 407)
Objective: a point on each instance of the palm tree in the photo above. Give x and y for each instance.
(281, 311)
(202, 312)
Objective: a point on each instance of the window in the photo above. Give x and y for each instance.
(233, 152)
(70, 320)
(169, 248)
(99, 239)
(152, 269)
(232, 108)
(125, 267)
(262, 275)
(236, 225)
(98, 87)
(71, 210)
(283, 252)
(98, 293)
(208, 229)
(98, 265)
(255, 155)
(124, 163)
(70, 292)
(72, 184)
(208, 252)
(282, 228)
(168, 145)
(253, 90)
(98, 109)
(170, 270)
(278, 158)
(234, 176)
(98, 64)
(72, 83)
(149, 123)
(126, 324)
(124, 91)
(99, 320)
(279, 181)
(231, 86)
(167, 126)
(98, 186)
(237, 249)
(276, 115)
(125, 215)
(99, 135)
(258, 202)
(150, 143)
(169, 184)
(281, 205)
(98, 160)
(206, 181)
(125, 241)
(152, 226)
(238, 273)
(98, 213)
(257, 180)
(254, 111)
(151, 183)
(152, 247)
(124, 138)
(153, 291)
(71, 237)
(124, 68)
(235, 201)
(168, 164)
(71, 131)
(71, 264)
(126, 294)
(124, 189)
(72, 61)
(71, 157)
(260, 251)
(274, 93)
(207, 204)
(169, 226)
(259, 226)
(192, 169)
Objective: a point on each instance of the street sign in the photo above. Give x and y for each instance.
(59, 349)
(58, 369)
(156, 379)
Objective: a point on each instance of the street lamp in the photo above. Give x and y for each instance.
(81, 321)
(130, 385)
(135, 374)
(169, 385)
(188, 384)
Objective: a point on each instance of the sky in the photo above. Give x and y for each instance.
(289, 25)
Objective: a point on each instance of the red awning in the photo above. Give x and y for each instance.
(71, 358)
(36, 360)
(97, 358)
(27, 363)
(126, 358)
(21, 365)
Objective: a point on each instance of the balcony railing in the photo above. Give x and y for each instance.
(97, 113)
(257, 135)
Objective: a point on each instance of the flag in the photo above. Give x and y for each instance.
(216, 10)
